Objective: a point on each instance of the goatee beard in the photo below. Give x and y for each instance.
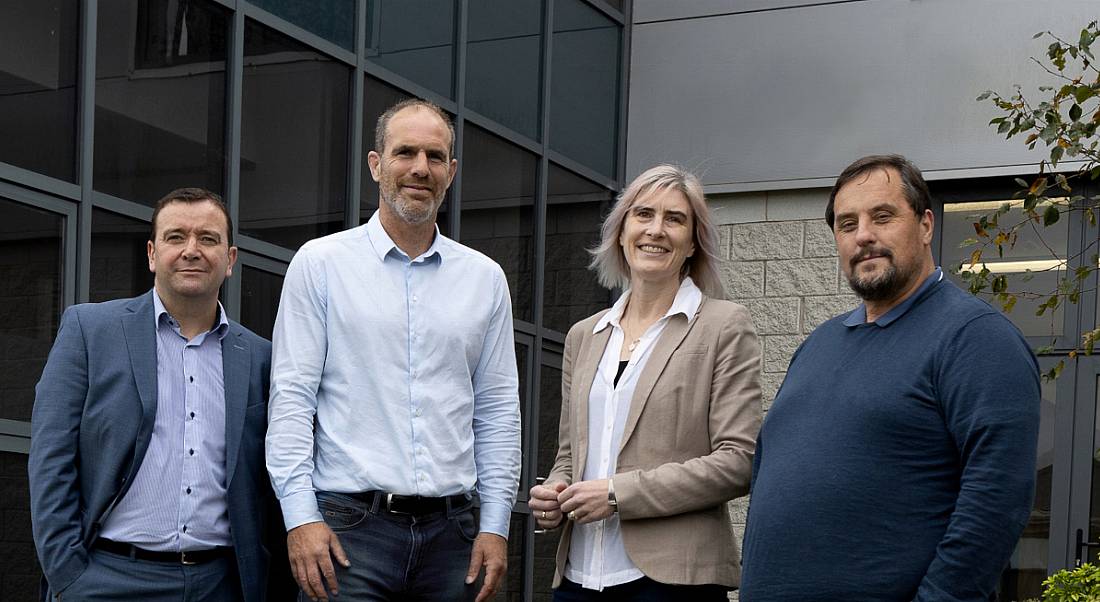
(877, 288)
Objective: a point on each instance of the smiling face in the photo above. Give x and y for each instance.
(884, 247)
(656, 238)
(190, 255)
(415, 169)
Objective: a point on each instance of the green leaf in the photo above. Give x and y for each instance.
(1038, 35)
(984, 95)
(1051, 215)
(1022, 183)
(1082, 93)
(1000, 283)
(1056, 154)
(1075, 112)
(1004, 127)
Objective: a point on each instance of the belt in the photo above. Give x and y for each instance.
(413, 505)
(188, 558)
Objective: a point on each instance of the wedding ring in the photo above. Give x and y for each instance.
(542, 514)
(572, 515)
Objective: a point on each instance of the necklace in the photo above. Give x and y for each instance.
(633, 344)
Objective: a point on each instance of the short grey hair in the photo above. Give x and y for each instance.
(607, 258)
(381, 127)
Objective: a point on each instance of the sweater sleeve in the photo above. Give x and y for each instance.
(988, 383)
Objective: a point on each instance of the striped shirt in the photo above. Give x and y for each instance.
(177, 501)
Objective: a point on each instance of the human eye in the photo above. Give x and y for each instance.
(173, 237)
(209, 239)
(846, 225)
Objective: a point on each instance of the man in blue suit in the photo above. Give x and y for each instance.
(147, 474)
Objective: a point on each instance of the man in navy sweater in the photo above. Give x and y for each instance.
(898, 460)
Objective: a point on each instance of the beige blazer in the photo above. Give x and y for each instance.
(687, 446)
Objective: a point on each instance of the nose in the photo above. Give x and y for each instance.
(191, 249)
(655, 228)
(865, 233)
(420, 165)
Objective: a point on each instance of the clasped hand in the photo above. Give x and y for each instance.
(583, 502)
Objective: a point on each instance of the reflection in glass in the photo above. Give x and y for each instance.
(333, 20)
(377, 97)
(414, 39)
(294, 140)
(584, 86)
(120, 265)
(30, 268)
(260, 292)
(504, 62)
(38, 65)
(160, 98)
(19, 572)
(549, 417)
(498, 195)
(511, 590)
(1027, 568)
(521, 366)
(1029, 253)
(575, 208)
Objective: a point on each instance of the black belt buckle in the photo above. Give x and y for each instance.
(390, 507)
(184, 560)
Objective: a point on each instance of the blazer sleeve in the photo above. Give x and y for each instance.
(734, 421)
(52, 465)
(563, 463)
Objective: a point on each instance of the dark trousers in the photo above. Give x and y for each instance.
(640, 590)
(400, 556)
(114, 577)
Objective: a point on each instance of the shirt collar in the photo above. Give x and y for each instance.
(859, 315)
(687, 301)
(222, 327)
(383, 245)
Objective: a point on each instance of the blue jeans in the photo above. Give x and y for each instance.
(640, 590)
(113, 577)
(399, 556)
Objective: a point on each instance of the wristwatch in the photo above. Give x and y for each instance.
(611, 501)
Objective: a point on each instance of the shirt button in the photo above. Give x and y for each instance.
(191, 451)
(415, 298)
(419, 411)
(188, 491)
(191, 378)
(185, 528)
(192, 415)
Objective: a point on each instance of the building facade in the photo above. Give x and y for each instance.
(770, 99)
(106, 105)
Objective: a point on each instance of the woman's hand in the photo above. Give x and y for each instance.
(544, 504)
(586, 501)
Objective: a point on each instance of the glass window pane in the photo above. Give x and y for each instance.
(575, 209)
(511, 590)
(1023, 579)
(333, 20)
(549, 416)
(1029, 253)
(19, 573)
(120, 264)
(260, 292)
(584, 86)
(160, 98)
(522, 357)
(38, 65)
(498, 195)
(504, 62)
(377, 97)
(414, 39)
(294, 140)
(30, 268)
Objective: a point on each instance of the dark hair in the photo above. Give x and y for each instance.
(192, 195)
(384, 121)
(912, 182)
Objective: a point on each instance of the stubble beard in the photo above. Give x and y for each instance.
(410, 212)
(880, 287)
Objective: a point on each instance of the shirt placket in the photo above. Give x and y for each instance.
(192, 436)
(414, 301)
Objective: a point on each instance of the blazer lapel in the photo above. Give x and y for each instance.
(139, 329)
(584, 373)
(236, 366)
(674, 333)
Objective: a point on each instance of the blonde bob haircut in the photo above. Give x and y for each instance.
(608, 260)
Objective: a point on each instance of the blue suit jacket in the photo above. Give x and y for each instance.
(92, 422)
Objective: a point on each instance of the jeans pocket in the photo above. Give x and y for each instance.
(341, 512)
(466, 525)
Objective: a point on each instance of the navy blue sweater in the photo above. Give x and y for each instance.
(898, 460)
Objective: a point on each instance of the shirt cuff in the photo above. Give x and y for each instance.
(300, 508)
(494, 518)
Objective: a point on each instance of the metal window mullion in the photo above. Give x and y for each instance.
(301, 35)
(85, 148)
(455, 211)
(624, 86)
(234, 90)
(37, 181)
(358, 95)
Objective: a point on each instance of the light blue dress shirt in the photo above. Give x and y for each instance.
(177, 502)
(393, 374)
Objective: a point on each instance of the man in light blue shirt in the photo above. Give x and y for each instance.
(394, 392)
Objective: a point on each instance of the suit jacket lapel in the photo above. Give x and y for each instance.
(674, 332)
(140, 331)
(585, 372)
(236, 366)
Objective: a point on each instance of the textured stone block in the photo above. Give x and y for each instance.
(766, 240)
(724, 242)
(774, 316)
(816, 310)
(739, 510)
(778, 351)
(818, 241)
(743, 278)
(769, 386)
(800, 277)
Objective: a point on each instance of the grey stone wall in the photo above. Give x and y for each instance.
(779, 260)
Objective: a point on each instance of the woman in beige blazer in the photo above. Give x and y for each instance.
(660, 410)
